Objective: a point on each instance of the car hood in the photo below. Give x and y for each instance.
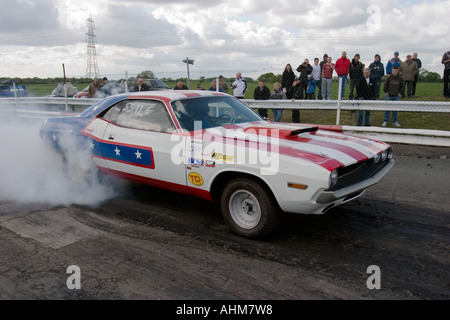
(327, 148)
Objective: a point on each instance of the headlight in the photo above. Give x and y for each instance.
(384, 155)
(390, 153)
(333, 178)
(377, 158)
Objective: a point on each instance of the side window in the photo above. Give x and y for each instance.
(140, 114)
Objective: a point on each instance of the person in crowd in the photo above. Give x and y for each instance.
(262, 92)
(395, 61)
(408, 71)
(394, 87)
(311, 88)
(446, 62)
(304, 69)
(93, 87)
(377, 73)
(296, 92)
(342, 67)
(223, 85)
(213, 86)
(200, 87)
(239, 86)
(59, 90)
(317, 75)
(70, 90)
(355, 74)
(416, 78)
(180, 86)
(325, 60)
(277, 94)
(327, 79)
(366, 90)
(141, 86)
(287, 79)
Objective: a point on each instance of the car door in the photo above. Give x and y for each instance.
(137, 144)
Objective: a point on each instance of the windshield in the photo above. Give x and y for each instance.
(156, 83)
(209, 112)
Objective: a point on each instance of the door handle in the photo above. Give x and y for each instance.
(111, 137)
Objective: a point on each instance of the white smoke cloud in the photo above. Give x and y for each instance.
(32, 172)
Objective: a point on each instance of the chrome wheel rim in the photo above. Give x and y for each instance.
(245, 209)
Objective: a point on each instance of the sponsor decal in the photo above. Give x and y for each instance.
(195, 179)
(210, 163)
(221, 156)
(195, 162)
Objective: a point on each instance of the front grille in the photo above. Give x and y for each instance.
(357, 172)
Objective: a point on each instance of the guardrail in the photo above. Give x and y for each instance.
(27, 107)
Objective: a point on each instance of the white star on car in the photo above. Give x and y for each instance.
(117, 151)
(138, 155)
(91, 145)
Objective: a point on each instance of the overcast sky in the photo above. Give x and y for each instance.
(38, 36)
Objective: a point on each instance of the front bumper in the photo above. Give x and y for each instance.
(354, 190)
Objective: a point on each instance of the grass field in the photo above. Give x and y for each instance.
(416, 120)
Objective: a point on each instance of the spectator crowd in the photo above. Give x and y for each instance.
(315, 81)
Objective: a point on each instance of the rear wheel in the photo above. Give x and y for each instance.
(249, 209)
(80, 171)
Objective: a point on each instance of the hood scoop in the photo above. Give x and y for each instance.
(282, 133)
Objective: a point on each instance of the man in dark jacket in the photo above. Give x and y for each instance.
(365, 91)
(141, 86)
(262, 92)
(305, 69)
(394, 87)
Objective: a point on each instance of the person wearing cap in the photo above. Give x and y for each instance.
(223, 84)
(395, 61)
(394, 87)
(200, 87)
(408, 70)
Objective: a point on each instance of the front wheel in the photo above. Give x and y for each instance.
(249, 209)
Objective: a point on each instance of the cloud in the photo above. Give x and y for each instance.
(141, 35)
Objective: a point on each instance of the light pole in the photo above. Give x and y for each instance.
(188, 62)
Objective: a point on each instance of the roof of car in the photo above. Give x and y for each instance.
(176, 94)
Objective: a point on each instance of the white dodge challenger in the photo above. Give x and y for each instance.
(211, 145)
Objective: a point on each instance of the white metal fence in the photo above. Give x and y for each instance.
(40, 107)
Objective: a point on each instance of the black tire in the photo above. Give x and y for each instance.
(249, 209)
